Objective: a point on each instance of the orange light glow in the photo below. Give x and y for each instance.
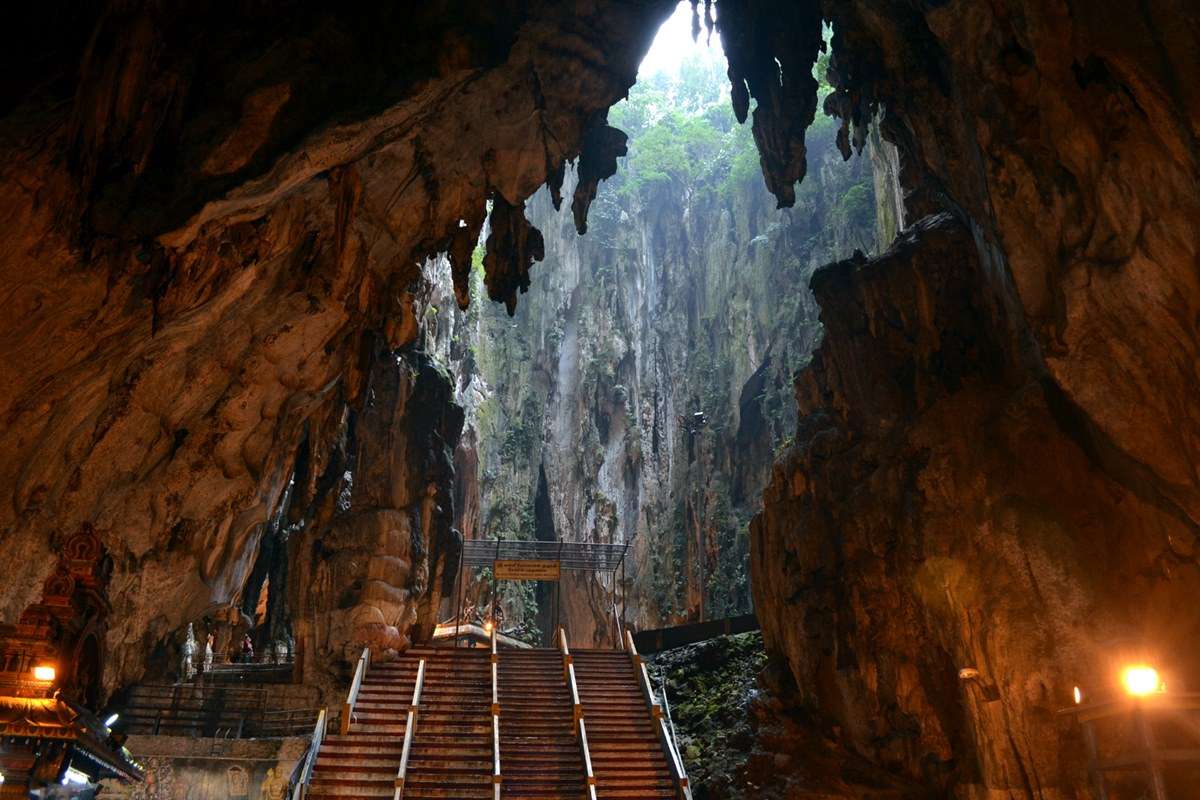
(1078, 695)
(43, 672)
(487, 626)
(1141, 680)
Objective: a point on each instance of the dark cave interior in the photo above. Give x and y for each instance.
(219, 225)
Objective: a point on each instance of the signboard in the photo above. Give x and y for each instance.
(534, 570)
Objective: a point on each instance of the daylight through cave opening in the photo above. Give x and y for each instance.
(643, 388)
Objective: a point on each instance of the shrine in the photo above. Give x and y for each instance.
(50, 680)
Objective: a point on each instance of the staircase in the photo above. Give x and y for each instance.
(363, 762)
(539, 753)
(453, 744)
(452, 748)
(627, 755)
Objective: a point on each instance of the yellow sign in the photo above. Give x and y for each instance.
(508, 570)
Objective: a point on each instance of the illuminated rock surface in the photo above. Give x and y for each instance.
(214, 231)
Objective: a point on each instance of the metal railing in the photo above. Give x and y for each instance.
(360, 672)
(255, 724)
(496, 778)
(666, 703)
(310, 758)
(618, 628)
(678, 773)
(580, 725)
(410, 730)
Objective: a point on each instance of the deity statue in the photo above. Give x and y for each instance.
(273, 785)
(208, 653)
(187, 667)
(239, 781)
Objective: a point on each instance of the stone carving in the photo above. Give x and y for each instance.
(160, 783)
(238, 781)
(208, 653)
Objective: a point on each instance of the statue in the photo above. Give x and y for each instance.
(208, 654)
(238, 781)
(273, 785)
(187, 667)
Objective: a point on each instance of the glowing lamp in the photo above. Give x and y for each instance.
(43, 672)
(1141, 680)
(487, 626)
(1078, 695)
(112, 720)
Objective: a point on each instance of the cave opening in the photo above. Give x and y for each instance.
(642, 388)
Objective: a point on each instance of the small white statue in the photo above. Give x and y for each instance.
(187, 668)
(208, 654)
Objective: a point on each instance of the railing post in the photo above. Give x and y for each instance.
(618, 629)
(577, 714)
(310, 759)
(410, 730)
(360, 671)
(496, 778)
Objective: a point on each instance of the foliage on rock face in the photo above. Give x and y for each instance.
(685, 298)
(710, 687)
(740, 743)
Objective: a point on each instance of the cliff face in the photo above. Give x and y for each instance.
(640, 392)
(993, 467)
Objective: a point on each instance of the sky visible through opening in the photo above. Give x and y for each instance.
(673, 43)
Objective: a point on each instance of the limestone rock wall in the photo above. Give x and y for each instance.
(640, 392)
(371, 574)
(214, 224)
(994, 465)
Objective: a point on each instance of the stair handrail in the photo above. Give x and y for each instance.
(666, 702)
(589, 774)
(495, 717)
(410, 730)
(618, 628)
(360, 672)
(577, 713)
(678, 772)
(310, 759)
(569, 677)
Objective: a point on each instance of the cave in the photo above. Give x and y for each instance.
(304, 302)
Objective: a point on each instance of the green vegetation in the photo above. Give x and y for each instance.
(683, 136)
(687, 280)
(711, 687)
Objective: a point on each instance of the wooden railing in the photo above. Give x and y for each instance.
(496, 778)
(410, 730)
(678, 773)
(360, 672)
(580, 725)
(310, 759)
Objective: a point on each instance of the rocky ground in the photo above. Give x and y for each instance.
(738, 741)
